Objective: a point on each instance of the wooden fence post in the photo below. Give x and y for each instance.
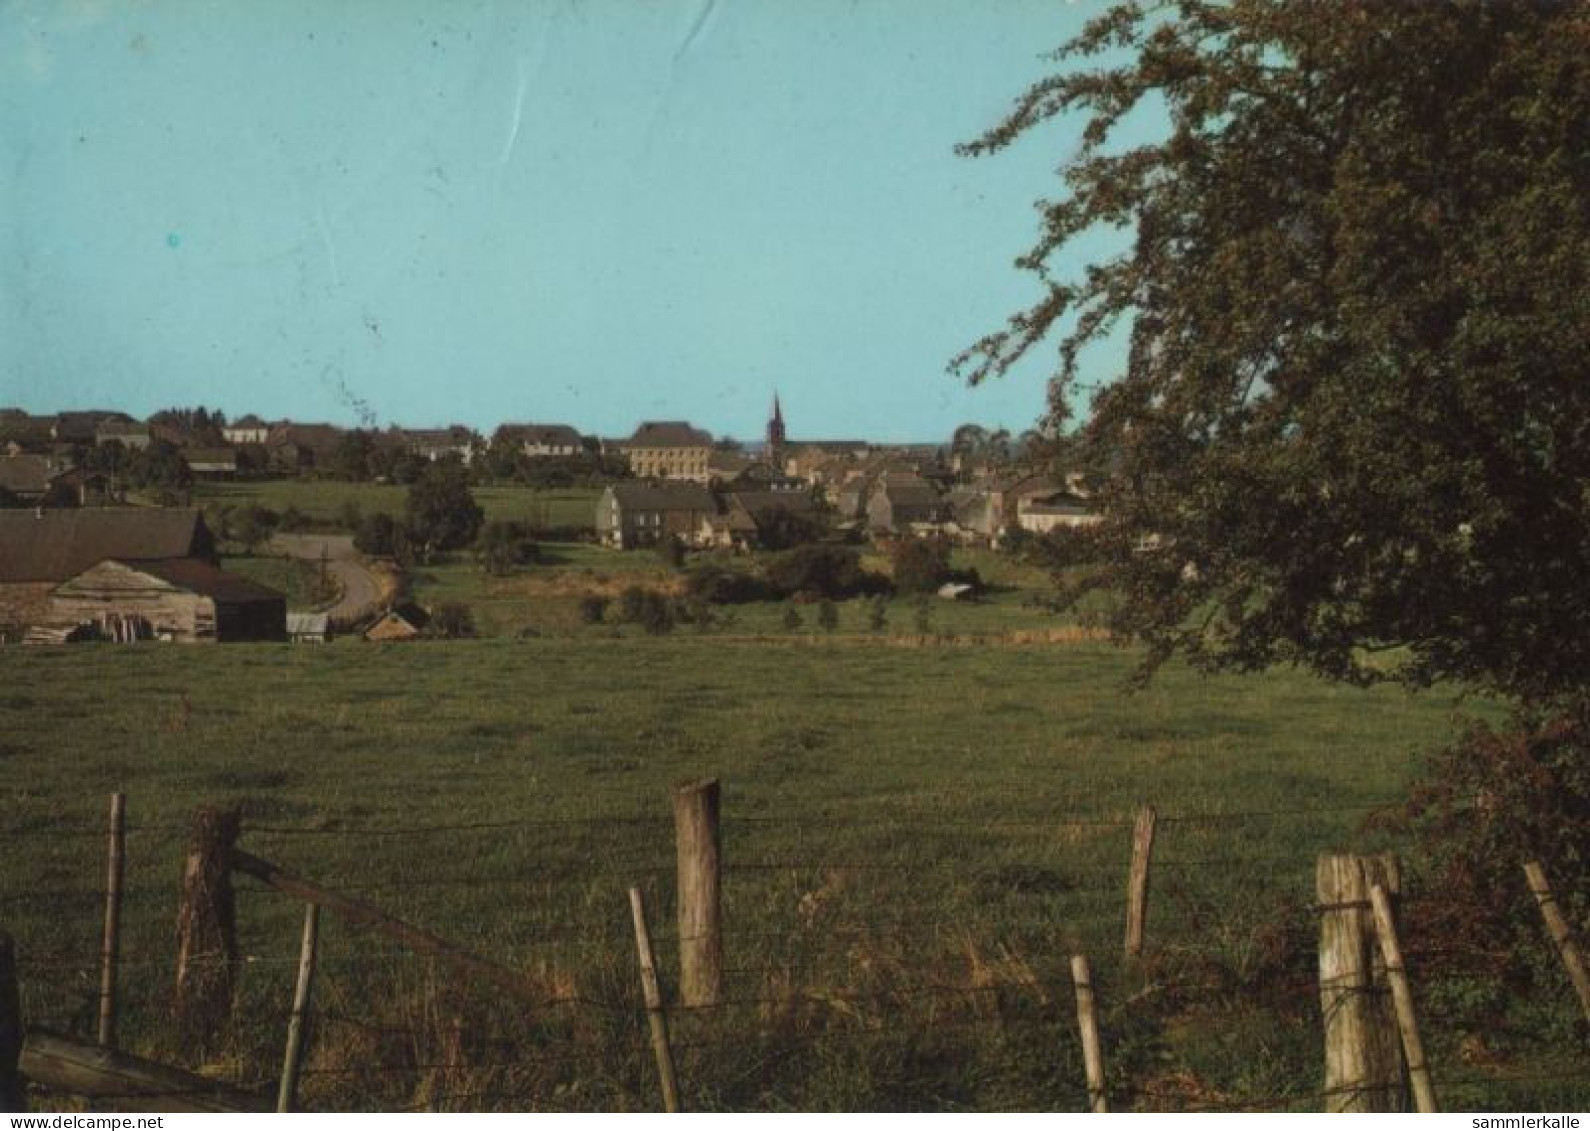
(1363, 1058)
(1561, 934)
(700, 886)
(1137, 880)
(656, 1018)
(292, 1058)
(1402, 1000)
(110, 949)
(13, 1095)
(1088, 1023)
(207, 927)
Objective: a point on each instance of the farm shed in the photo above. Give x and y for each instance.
(404, 622)
(308, 628)
(181, 599)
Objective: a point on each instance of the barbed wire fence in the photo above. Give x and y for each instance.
(943, 970)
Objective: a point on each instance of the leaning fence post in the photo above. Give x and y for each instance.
(1363, 1058)
(206, 926)
(656, 1018)
(700, 884)
(292, 1058)
(1137, 880)
(1402, 1000)
(1088, 1022)
(13, 1095)
(110, 949)
(1561, 934)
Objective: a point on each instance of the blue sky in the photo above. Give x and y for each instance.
(593, 212)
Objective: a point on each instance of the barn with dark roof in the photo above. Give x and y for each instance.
(137, 572)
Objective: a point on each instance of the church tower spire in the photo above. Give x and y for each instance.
(775, 436)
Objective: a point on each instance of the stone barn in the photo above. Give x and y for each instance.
(180, 599)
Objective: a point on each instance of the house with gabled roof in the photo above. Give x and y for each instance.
(631, 515)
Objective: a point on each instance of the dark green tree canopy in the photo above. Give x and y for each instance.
(440, 509)
(1354, 412)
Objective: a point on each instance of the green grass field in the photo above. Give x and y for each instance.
(325, 500)
(916, 839)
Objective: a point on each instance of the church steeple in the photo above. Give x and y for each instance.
(775, 435)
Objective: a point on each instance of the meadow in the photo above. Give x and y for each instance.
(325, 501)
(916, 840)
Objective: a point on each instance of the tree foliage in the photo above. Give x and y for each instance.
(1357, 277)
(440, 511)
(921, 565)
(504, 545)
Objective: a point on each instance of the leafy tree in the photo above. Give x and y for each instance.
(782, 528)
(158, 467)
(921, 565)
(381, 536)
(821, 570)
(109, 458)
(441, 510)
(252, 524)
(504, 545)
(354, 457)
(1356, 274)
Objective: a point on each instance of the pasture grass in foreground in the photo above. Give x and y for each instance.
(916, 841)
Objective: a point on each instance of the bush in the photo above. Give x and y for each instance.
(719, 585)
(593, 608)
(652, 610)
(823, 571)
(351, 517)
(1489, 803)
(878, 612)
(792, 618)
(921, 565)
(672, 552)
(294, 521)
(827, 615)
(452, 620)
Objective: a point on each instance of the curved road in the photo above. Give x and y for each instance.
(359, 590)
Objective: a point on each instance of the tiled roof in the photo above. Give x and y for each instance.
(664, 497)
(668, 434)
(54, 545)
